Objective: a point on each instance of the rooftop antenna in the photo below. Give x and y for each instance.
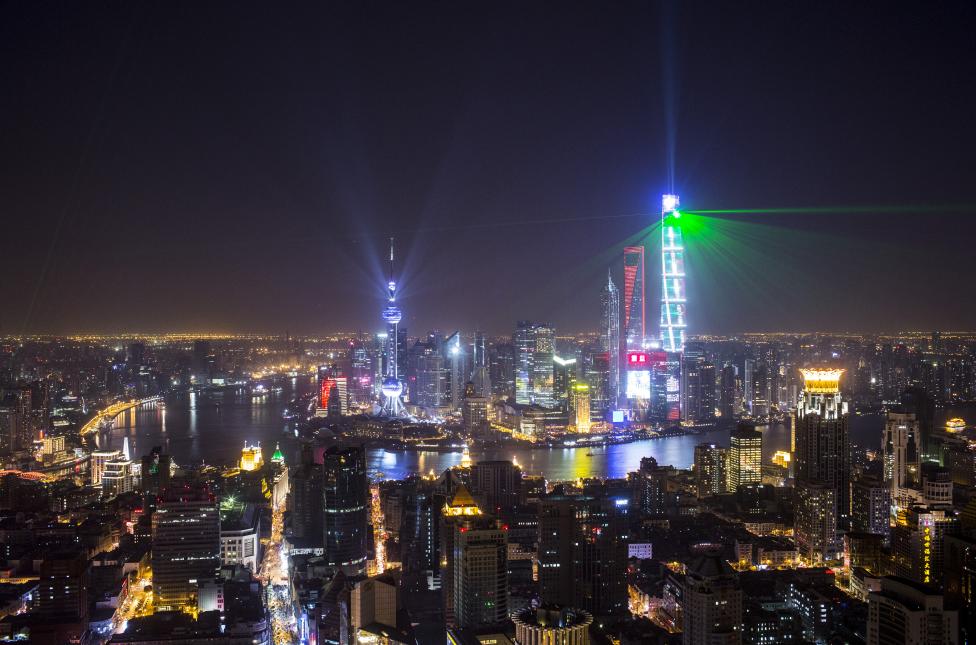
(391, 285)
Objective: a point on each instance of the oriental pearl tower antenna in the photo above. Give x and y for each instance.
(392, 387)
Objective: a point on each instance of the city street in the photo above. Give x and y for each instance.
(274, 576)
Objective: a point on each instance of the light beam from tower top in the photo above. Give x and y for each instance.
(669, 205)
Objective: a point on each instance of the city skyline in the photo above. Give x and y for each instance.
(509, 324)
(264, 201)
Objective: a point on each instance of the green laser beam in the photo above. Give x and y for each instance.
(840, 210)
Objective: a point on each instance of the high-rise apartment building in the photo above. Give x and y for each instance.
(815, 523)
(745, 457)
(345, 495)
(185, 545)
(870, 507)
(711, 468)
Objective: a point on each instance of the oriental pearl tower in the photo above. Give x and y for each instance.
(392, 387)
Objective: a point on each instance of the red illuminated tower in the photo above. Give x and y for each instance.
(634, 297)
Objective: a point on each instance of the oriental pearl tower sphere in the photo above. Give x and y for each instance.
(392, 387)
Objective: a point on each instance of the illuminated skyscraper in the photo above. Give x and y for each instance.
(745, 457)
(672, 277)
(392, 386)
(581, 407)
(185, 545)
(634, 329)
(711, 465)
(901, 448)
(564, 377)
(610, 336)
(455, 363)
(534, 344)
(822, 458)
(524, 342)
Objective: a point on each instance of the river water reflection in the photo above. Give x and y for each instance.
(214, 427)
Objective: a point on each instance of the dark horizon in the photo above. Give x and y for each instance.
(238, 168)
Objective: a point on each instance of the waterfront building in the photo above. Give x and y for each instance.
(251, 457)
(673, 297)
(633, 321)
(117, 473)
(98, 460)
(602, 399)
(564, 377)
(610, 338)
(581, 407)
(534, 365)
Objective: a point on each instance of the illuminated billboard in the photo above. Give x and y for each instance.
(638, 384)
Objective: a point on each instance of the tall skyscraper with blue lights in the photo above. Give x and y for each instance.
(672, 277)
(392, 387)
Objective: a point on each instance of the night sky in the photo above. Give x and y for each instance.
(238, 167)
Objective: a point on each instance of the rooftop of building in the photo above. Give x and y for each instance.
(236, 515)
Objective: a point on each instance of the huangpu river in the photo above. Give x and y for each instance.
(214, 427)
